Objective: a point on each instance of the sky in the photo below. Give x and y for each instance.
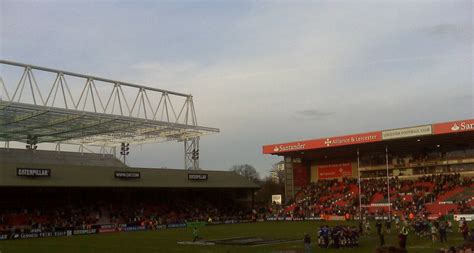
(262, 72)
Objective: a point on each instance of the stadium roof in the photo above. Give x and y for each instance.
(63, 158)
(460, 132)
(90, 176)
(42, 105)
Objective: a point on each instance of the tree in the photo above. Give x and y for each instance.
(247, 171)
(268, 188)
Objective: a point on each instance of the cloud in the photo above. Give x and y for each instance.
(443, 29)
(264, 72)
(311, 114)
(256, 86)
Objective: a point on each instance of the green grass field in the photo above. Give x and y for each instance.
(166, 240)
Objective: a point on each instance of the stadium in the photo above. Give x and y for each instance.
(423, 170)
(411, 176)
(309, 126)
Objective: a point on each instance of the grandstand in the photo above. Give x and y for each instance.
(424, 170)
(69, 169)
(111, 194)
(57, 193)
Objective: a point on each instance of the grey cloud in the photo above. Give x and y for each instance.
(446, 29)
(311, 114)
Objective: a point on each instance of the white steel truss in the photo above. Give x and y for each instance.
(91, 114)
(191, 153)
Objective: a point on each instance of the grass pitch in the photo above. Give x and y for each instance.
(166, 240)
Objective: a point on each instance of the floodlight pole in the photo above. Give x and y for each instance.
(360, 189)
(191, 153)
(388, 185)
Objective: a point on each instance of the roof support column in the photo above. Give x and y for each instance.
(191, 153)
(58, 147)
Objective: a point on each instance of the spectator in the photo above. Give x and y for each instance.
(307, 243)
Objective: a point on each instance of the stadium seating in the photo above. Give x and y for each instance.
(440, 194)
(80, 209)
(44, 157)
(451, 195)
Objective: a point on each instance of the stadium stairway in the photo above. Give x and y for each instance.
(450, 194)
(436, 208)
(377, 198)
(446, 202)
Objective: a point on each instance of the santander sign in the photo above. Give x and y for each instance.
(322, 143)
(288, 147)
(453, 127)
(462, 126)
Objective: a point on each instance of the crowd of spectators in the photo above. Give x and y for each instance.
(408, 196)
(84, 214)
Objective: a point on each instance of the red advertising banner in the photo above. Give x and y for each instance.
(300, 175)
(107, 230)
(335, 171)
(454, 126)
(439, 128)
(323, 143)
(353, 139)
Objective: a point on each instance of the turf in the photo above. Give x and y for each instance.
(166, 240)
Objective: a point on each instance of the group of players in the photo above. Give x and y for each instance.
(348, 236)
(338, 237)
(424, 228)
